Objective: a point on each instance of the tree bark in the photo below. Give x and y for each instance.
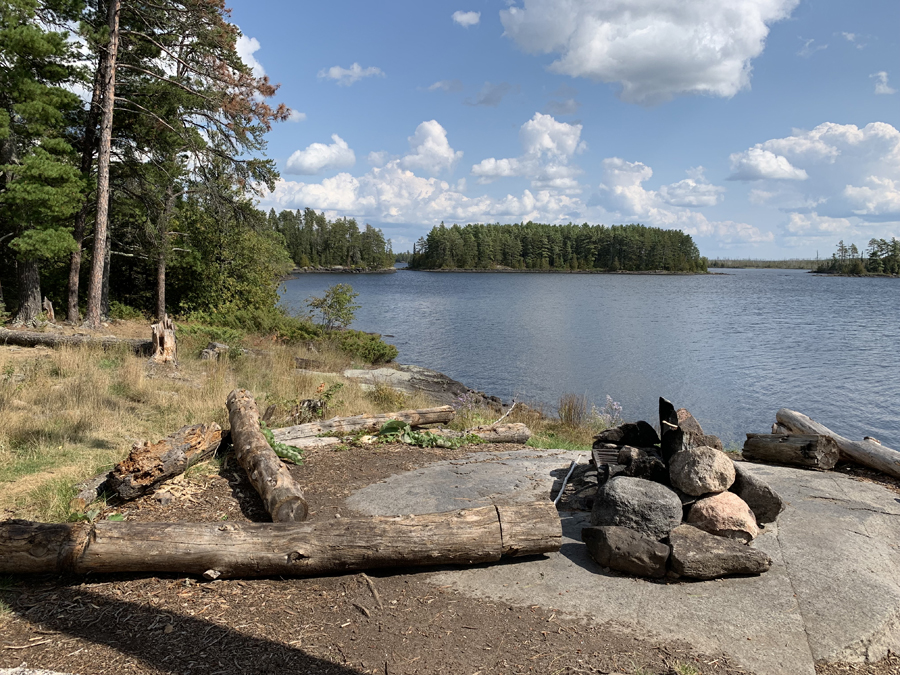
(162, 226)
(280, 493)
(92, 318)
(104, 288)
(161, 285)
(149, 464)
(29, 292)
(23, 338)
(809, 450)
(164, 343)
(868, 453)
(230, 550)
(87, 161)
(347, 425)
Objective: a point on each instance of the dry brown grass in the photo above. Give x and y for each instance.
(67, 414)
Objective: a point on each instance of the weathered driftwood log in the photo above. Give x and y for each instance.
(868, 453)
(495, 433)
(164, 344)
(231, 550)
(809, 450)
(23, 338)
(348, 425)
(148, 464)
(282, 496)
(514, 432)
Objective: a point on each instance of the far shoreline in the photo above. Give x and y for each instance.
(459, 270)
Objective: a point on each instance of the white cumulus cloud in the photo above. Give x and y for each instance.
(881, 83)
(655, 49)
(391, 192)
(760, 164)
(852, 179)
(347, 76)
(466, 19)
(246, 48)
(548, 145)
(429, 150)
(319, 157)
(296, 116)
(623, 193)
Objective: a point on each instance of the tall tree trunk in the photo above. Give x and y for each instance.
(92, 319)
(161, 286)
(163, 229)
(29, 292)
(87, 160)
(104, 292)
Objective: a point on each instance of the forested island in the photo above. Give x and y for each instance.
(537, 246)
(312, 241)
(881, 257)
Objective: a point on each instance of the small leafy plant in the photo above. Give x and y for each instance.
(397, 431)
(284, 451)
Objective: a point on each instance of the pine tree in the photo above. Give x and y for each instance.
(40, 187)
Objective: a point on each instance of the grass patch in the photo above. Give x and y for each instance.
(66, 413)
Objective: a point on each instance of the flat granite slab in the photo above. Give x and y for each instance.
(833, 593)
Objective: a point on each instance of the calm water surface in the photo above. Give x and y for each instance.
(731, 348)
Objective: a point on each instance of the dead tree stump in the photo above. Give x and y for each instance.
(164, 347)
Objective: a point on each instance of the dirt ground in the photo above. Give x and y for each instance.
(390, 622)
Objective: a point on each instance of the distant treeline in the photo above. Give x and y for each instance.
(536, 246)
(879, 257)
(406, 256)
(739, 263)
(313, 240)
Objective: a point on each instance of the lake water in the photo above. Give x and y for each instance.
(731, 348)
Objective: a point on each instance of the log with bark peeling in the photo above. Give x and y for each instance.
(281, 495)
(24, 338)
(514, 432)
(868, 453)
(349, 425)
(813, 451)
(148, 464)
(229, 550)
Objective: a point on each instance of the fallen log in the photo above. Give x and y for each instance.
(229, 550)
(868, 453)
(349, 425)
(280, 493)
(809, 450)
(24, 338)
(515, 432)
(149, 464)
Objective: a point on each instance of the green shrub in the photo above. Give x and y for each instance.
(264, 321)
(121, 311)
(368, 347)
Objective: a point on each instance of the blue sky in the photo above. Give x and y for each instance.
(764, 128)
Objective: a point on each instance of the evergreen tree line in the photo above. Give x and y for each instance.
(142, 189)
(313, 241)
(536, 246)
(879, 257)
